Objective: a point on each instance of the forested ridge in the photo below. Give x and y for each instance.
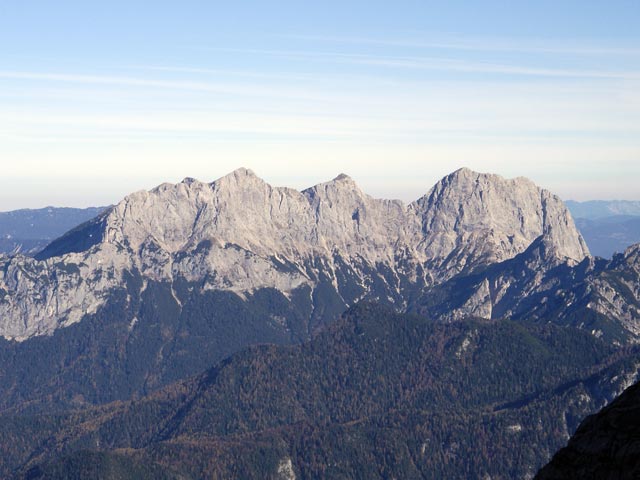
(376, 394)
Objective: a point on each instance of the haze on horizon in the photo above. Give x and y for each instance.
(98, 100)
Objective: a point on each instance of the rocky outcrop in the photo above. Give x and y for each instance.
(240, 234)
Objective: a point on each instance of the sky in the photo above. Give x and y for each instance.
(100, 99)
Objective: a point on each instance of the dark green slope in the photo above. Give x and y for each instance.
(141, 342)
(375, 395)
(86, 464)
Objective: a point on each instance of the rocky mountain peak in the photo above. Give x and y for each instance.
(343, 177)
(241, 178)
(189, 180)
(629, 262)
(336, 190)
(632, 254)
(239, 175)
(498, 216)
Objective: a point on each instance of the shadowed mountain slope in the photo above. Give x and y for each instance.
(606, 446)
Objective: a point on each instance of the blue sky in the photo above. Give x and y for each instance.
(98, 99)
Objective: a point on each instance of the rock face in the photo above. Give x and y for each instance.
(478, 218)
(605, 446)
(242, 235)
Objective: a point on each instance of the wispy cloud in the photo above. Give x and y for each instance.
(495, 68)
(440, 64)
(253, 89)
(480, 44)
(224, 72)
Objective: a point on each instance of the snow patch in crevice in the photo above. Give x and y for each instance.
(132, 323)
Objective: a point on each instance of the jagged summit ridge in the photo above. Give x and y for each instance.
(241, 234)
(240, 202)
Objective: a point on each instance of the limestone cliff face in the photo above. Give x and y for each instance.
(483, 218)
(241, 234)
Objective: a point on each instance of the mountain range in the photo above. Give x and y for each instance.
(108, 329)
(597, 209)
(29, 231)
(609, 235)
(240, 235)
(608, 227)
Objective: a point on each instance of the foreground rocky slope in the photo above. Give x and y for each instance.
(606, 446)
(375, 395)
(239, 234)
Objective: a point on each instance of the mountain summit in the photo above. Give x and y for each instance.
(240, 234)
